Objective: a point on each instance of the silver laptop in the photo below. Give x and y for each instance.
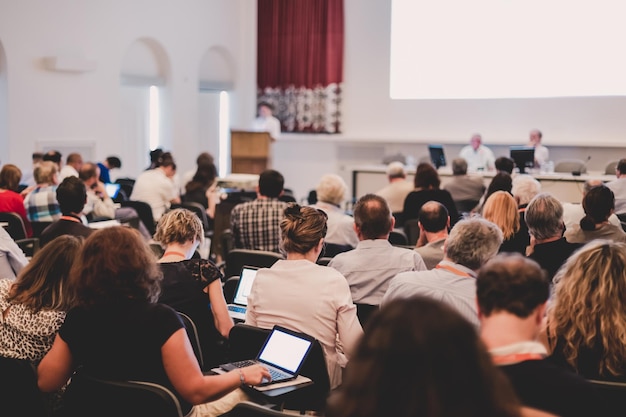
(237, 309)
(283, 354)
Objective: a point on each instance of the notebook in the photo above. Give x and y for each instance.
(112, 189)
(283, 353)
(237, 309)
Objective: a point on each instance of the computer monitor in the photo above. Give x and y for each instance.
(524, 157)
(437, 156)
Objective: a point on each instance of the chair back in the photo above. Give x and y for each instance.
(250, 409)
(364, 311)
(95, 397)
(412, 231)
(30, 246)
(229, 288)
(200, 211)
(194, 338)
(332, 249)
(323, 260)
(144, 211)
(20, 395)
(610, 168)
(13, 224)
(570, 165)
(398, 237)
(236, 259)
(39, 227)
(126, 185)
(612, 395)
(465, 206)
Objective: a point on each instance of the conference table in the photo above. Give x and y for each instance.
(564, 186)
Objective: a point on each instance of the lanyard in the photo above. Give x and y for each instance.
(71, 218)
(515, 358)
(454, 270)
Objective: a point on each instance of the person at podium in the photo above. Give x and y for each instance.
(265, 121)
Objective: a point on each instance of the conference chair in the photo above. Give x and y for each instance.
(29, 245)
(229, 287)
(250, 409)
(397, 237)
(126, 185)
(364, 311)
(613, 395)
(570, 166)
(192, 334)
(235, 260)
(39, 227)
(323, 260)
(332, 249)
(610, 168)
(20, 395)
(412, 231)
(95, 397)
(13, 224)
(144, 211)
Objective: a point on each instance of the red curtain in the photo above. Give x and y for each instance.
(300, 62)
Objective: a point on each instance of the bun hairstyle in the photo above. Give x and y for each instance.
(302, 228)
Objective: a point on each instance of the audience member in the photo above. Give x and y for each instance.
(155, 155)
(265, 121)
(501, 209)
(548, 247)
(398, 188)
(10, 200)
(419, 357)
(618, 186)
(201, 187)
(465, 190)
(478, 156)
(205, 159)
(574, 212)
(118, 331)
(598, 204)
(433, 223)
(331, 193)
(156, 186)
(374, 262)
(524, 189)
(542, 154)
(112, 162)
(71, 195)
(512, 294)
(28, 179)
(54, 156)
(34, 304)
(427, 184)
(505, 164)
(12, 259)
(470, 244)
(193, 286)
(586, 321)
(72, 165)
(256, 224)
(41, 203)
(299, 294)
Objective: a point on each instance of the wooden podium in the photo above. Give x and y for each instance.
(249, 151)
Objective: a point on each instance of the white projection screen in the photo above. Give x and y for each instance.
(500, 49)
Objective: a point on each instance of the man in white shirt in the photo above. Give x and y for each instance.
(618, 187)
(156, 186)
(542, 155)
(398, 188)
(266, 122)
(72, 166)
(478, 156)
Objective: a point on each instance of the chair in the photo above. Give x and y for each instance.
(39, 227)
(126, 185)
(237, 258)
(192, 334)
(364, 311)
(250, 409)
(571, 166)
(20, 395)
(29, 245)
(332, 249)
(412, 231)
(94, 397)
(465, 206)
(612, 395)
(229, 288)
(398, 237)
(323, 260)
(144, 211)
(200, 211)
(610, 168)
(13, 224)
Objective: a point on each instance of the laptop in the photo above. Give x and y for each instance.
(112, 189)
(237, 309)
(283, 354)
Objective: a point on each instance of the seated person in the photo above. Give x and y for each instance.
(331, 193)
(478, 156)
(11, 201)
(303, 296)
(398, 188)
(501, 209)
(41, 202)
(433, 223)
(12, 259)
(465, 190)
(574, 212)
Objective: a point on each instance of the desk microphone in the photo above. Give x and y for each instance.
(583, 168)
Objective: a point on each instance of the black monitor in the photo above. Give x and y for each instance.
(437, 156)
(523, 156)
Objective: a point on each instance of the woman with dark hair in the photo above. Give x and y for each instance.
(303, 296)
(10, 199)
(502, 181)
(419, 357)
(427, 184)
(599, 205)
(202, 186)
(118, 331)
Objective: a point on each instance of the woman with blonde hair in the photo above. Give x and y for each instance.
(501, 209)
(303, 296)
(585, 327)
(193, 285)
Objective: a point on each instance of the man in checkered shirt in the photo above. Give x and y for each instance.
(41, 203)
(256, 224)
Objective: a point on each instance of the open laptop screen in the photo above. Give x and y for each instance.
(285, 350)
(248, 273)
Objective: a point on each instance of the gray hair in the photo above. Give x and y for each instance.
(544, 217)
(331, 189)
(396, 170)
(525, 188)
(459, 166)
(473, 241)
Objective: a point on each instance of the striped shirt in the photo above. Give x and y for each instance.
(256, 224)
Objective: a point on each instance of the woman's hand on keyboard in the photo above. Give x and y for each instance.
(255, 374)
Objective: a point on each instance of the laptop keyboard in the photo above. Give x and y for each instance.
(237, 309)
(243, 364)
(274, 373)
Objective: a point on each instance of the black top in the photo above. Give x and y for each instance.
(122, 341)
(416, 199)
(550, 256)
(542, 385)
(182, 288)
(64, 227)
(516, 243)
